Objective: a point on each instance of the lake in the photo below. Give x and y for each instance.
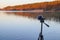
(26, 26)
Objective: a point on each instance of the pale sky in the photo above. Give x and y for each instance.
(4, 3)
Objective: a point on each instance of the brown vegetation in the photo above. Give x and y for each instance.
(44, 5)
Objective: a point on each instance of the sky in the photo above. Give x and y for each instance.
(4, 3)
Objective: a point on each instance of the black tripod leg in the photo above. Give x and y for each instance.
(41, 37)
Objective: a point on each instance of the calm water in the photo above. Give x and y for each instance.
(25, 26)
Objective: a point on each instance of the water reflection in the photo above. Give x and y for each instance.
(17, 28)
(54, 16)
(25, 26)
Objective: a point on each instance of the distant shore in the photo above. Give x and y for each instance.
(53, 6)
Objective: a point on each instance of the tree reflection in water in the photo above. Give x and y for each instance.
(55, 16)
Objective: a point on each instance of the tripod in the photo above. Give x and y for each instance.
(41, 18)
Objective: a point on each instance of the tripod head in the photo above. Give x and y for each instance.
(41, 18)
